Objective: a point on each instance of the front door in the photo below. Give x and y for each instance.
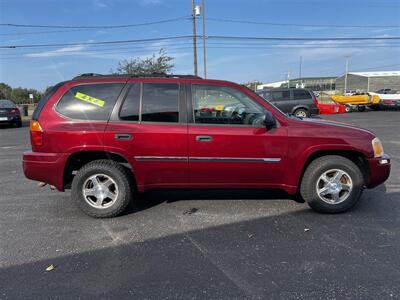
(228, 143)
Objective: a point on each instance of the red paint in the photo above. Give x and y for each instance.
(294, 141)
(331, 108)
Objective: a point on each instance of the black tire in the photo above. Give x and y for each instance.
(301, 112)
(361, 108)
(308, 187)
(123, 181)
(18, 124)
(375, 107)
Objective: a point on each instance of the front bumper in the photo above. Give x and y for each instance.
(45, 167)
(379, 170)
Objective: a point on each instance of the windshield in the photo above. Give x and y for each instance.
(7, 104)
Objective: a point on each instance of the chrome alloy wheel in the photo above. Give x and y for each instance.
(301, 114)
(334, 186)
(100, 191)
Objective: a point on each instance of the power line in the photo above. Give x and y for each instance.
(97, 43)
(43, 32)
(95, 27)
(378, 67)
(300, 25)
(302, 38)
(133, 50)
(215, 37)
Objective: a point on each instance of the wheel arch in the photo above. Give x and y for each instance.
(305, 107)
(357, 157)
(77, 160)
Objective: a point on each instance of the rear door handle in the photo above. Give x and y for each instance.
(204, 138)
(123, 136)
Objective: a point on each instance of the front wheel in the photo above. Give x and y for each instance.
(361, 108)
(332, 184)
(102, 188)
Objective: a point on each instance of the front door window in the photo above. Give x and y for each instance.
(224, 105)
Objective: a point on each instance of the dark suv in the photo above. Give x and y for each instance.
(109, 137)
(298, 102)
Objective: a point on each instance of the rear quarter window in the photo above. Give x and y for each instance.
(90, 101)
(44, 99)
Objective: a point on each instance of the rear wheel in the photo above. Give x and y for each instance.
(102, 188)
(361, 108)
(332, 184)
(301, 113)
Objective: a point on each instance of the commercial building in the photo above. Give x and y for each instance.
(314, 83)
(369, 81)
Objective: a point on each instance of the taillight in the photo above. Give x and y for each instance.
(36, 133)
(15, 111)
(315, 100)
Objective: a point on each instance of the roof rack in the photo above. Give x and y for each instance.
(151, 75)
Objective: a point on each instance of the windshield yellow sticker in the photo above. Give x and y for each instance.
(90, 99)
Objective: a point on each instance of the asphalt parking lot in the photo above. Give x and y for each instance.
(200, 244)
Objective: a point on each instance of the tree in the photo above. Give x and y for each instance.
(5, 91)
(160, 63)
(252, 84)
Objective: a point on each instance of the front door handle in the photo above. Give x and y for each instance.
(204, 138)
(123, 136)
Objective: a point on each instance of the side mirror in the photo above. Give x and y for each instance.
(269, 120)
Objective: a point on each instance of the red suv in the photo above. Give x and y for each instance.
(108, 137)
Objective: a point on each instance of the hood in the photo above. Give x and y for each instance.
(334, 127)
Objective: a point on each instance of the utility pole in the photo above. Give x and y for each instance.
(345, 75)
(301, 62)
(204, 38)
(194, 39)
(288, 78)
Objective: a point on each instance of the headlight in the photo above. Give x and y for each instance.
(377, 146)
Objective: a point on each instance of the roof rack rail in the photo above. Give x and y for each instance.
(155, 74)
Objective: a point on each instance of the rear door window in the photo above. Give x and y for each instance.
(90, 101)
(130, 109)
(160, 102)
(281, 95)
(301, 94)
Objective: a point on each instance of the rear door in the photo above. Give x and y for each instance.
(283, 100)
(149, 127)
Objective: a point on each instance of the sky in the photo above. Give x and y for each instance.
(235, 60)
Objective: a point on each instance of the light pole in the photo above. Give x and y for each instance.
(204, 38)
(345, 75)
(194, 39)
(301, 63)
(288, 78)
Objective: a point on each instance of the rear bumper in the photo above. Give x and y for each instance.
(314, 111)
(13, 119)
(45, 167)
(379, 170)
